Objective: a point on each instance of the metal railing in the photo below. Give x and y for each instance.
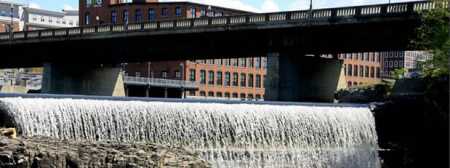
(266, 18)
(159, 82)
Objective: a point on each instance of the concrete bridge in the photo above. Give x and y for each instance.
(284, 36)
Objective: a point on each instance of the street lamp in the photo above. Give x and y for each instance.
(183, 92)
(12, 18)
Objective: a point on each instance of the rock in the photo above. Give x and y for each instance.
(46, 152)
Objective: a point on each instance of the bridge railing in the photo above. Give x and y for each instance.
(159, 82)
(309, 17)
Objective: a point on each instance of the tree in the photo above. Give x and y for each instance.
(433, 35)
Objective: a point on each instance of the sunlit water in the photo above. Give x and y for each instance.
(227, 135)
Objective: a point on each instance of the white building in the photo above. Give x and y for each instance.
(37, 19)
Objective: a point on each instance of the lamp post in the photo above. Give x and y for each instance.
(12, 18)
(183, 92)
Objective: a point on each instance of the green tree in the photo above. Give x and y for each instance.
(433, 36)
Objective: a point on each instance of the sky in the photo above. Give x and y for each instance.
(248, 5)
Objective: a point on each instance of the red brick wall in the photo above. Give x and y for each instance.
(4, 25)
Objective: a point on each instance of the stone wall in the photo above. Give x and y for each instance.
(45, 152)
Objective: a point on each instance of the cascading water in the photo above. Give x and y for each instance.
(227, 135)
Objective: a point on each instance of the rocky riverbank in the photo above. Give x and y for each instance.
(41, 152)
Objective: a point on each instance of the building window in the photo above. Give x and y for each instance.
(177, 11)
(202, 12)
(378, 72)
(361, 71)
(113, 17)
(243, 96)
(87, 19)
(234, 62)
(210, 94)
(349, 84)
(258, 97)
(192, 75)
(372, 72)
(355, 71)
(258, 62)
(243, 80)
(250, 80)
(235, 79)
(258, 81)
(88, 3)
(219, 94)
(235, 95)
(250, 97)
(227, 94)
(191, 93)
(355, 83)
(211, 77)
(366, 71)
(202, 77)
(177, 74)
(151, 14)
(203, 93)
(99, 2)
(125, 17)
(164, 74)
(138, 16)
(219, 78)
(227, 79)
(193, 12)
(350, 70)
(164, 12)
(242, 62)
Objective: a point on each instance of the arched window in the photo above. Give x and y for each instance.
(113, 16)
(125, 17)
(87, 19)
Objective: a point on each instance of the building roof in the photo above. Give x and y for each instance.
(44, 12)
(182, 2)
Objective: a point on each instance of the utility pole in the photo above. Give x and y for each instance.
(11, 25)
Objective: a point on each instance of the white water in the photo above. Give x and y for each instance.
(227, 135)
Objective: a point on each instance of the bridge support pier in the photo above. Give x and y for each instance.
(83, 79)
(296, 77)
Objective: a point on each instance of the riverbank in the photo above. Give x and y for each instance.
(46, 152)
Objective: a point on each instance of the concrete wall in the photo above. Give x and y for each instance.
(83, 79)
(295, 77)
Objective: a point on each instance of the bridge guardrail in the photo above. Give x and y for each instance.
(159, 82)
(315, 15)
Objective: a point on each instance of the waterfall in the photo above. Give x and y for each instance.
(227, 135)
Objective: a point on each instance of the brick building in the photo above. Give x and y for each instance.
(362, 68)
(407, 60)
(228, 78)
(5, 15)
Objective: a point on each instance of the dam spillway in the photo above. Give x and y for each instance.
(226, 135)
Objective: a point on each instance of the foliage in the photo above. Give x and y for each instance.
(365, 94)
(433, 35)
(399, 73)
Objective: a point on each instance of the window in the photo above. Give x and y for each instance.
(164, 12)
(203, 12)
(349, 84)
(87, 19)
(250, 62)
(227, 79)
(151, 14)
(125, 17)
(235, 95)
(138, 16)
(355, 71)
(219, 94)
(355, 83)
(366, 71)
(191, 93)
(372, 72)
(211, 77)
(361, 71)
(350, 70)
(250, 97)
(177, 11)
(99, 2)
(243, 80)
(164, 74)
(378, 73)
(235, 79)
(243, 96)
(258, 62)
(192, 74)
(219, 78)
(88, 3)
(227, 95)
(202, 77)
(177, 74)
(234, 62)
(258, 97)
(193, 12)
(210, 94)
(258, 81)
(242, 62)
(203, 93)
(250, 80)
